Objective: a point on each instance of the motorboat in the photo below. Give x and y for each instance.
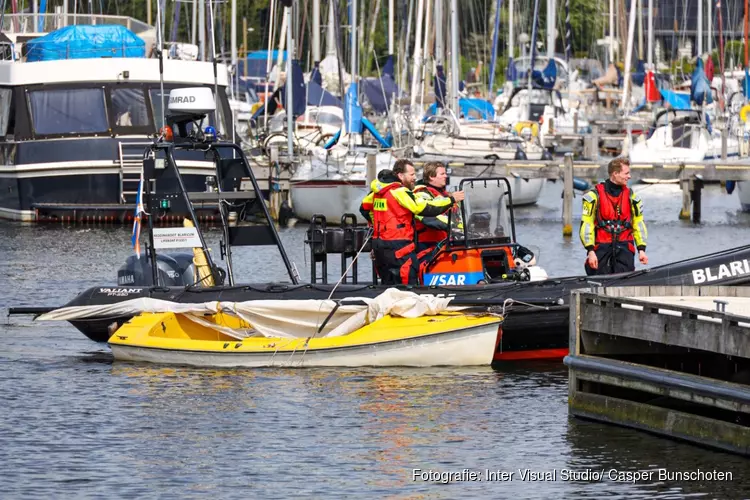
(74, 122)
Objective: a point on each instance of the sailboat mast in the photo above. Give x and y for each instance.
(391, 13)
(551, 30)
(289, 87)
(316, 31)
(454, 57)
(747, 29)
(650, 54)
(511, 48)
(628, 56)
(699, 38)
(611, 31)
(417, 59)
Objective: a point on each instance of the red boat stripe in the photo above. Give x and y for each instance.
(531, 354)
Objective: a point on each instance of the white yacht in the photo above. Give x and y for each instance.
(73, 129)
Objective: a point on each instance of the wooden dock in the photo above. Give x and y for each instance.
(674, 361)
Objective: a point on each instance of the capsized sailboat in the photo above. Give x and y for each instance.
(396, 328)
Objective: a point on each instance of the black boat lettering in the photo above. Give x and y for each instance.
(731, 270)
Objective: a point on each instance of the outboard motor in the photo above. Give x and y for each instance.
(173, 270)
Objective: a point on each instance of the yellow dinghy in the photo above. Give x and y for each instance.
(447, 339)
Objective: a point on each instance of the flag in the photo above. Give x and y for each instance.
(136, 236)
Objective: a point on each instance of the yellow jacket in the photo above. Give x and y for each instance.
(588, 220)
(417, 205)
(439, 222)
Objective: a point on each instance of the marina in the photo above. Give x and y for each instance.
(321, 241)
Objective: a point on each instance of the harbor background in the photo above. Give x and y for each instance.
(75, 424)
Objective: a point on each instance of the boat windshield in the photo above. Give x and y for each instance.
(486, 209)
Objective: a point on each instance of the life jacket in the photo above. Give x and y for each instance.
(614, 217)
(391, 221)
(427, 234)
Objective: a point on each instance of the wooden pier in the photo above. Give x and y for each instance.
(674, 361)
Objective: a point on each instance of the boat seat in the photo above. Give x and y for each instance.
(479, 226)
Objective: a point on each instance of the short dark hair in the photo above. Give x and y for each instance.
(400, 166)
(616, 165)
(430, 170)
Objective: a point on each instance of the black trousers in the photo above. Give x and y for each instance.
(396, 266)
(620, 259)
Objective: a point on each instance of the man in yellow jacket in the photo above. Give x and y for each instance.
(391, 206)
(612, 227)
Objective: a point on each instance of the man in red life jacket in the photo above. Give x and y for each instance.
(433, 230)
(612, 226)
(392, 206)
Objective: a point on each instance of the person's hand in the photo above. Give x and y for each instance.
(458, 196)
(642, 257)
(593, 260)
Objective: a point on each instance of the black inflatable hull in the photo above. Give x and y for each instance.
(537, 319)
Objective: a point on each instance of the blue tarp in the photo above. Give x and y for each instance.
(388, 67)
(299, 103)
(380, 92)
(700, 88)
(547, 77)
(676, 101)
(85, 42)
(352, 111)
(256, 63)
(639, 75)
(318, 96)
(470, 109)
(440, 86)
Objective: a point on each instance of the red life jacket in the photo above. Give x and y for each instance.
(391, 221)
(427, 234)
(613, 217)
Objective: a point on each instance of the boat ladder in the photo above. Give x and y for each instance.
(131, 164)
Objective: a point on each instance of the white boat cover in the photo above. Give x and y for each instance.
(276, 318)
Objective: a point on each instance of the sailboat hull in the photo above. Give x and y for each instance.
(425, 341)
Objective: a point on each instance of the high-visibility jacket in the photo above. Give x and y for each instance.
(434, 229)
(606, 217)
(393, 210)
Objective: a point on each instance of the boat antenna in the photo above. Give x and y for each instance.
(215, 65)
(160, 53)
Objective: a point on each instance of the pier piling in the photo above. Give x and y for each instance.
(568, 196)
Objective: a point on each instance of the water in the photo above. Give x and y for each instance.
(76, 424)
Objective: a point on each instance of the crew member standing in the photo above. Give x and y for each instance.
(393, 206)
(433, 230)
(612, 226)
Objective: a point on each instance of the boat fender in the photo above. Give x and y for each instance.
(520, 154)
(744, 112)
(730, 186)
(518, 127)
(581, 184)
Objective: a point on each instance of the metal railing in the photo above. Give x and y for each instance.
(45, 23)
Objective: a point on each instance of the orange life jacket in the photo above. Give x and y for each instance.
(427, 234)
(391, 221)
(614, 216)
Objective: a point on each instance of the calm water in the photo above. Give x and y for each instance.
(75, 424)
